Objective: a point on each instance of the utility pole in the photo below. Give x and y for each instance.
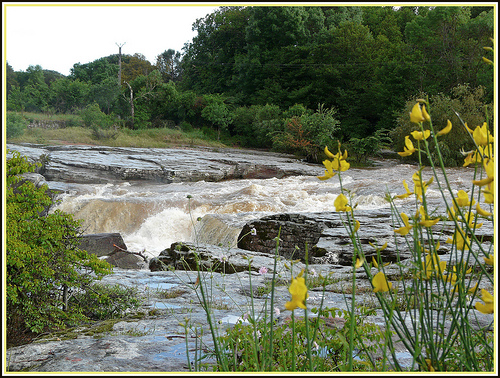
(120, 63)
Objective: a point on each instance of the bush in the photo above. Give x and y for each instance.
(307, 134)
(44, 264)
(466, 102)
(99, 122)
(16, 125)
(100, 302)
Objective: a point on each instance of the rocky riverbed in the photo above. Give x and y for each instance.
(152, 338)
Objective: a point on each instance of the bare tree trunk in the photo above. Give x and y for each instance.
(120, 64)
(131, 102)
(65, 298)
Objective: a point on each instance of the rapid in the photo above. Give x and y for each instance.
(151, 216)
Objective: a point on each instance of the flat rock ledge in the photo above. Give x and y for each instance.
(152, 338)
(101, 164)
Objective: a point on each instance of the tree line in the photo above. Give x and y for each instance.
(291, 78)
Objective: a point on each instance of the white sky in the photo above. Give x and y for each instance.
(57, 36)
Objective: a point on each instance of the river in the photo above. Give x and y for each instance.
(151, 216)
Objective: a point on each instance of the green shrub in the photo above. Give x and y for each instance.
(16, 125)
(465, 101)
(362, 148)
(43, 262)
(307, 134)
(99, 122)
(100, 302)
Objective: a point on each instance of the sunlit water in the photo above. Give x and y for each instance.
(152, 216)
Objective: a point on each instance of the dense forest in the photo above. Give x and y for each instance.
(289, 78)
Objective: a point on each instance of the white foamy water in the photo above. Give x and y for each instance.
(152, 216)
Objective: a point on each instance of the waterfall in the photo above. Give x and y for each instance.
(151, 217)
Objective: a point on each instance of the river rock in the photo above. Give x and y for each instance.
(101, 164)
(327, 238)
(156, 341)
(105, 245)
(190, 256)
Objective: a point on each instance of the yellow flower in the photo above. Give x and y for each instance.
(328, 172)
(356, 225)
(446, 130)
(298, 289)
(482, 135)
(407, 194)
(487, 307)
(489, 167)
(489, 260)
(486, 60)
(337, 164)
(408, 149)
(404, 230)
(482, 212)
(425, 114)
(489, 193)
(359, 263)
(473, 289)
(380, 283)
(340, 165)
(470, 218)
(419, 135)
(459, 241)
(378, 249)
(420, 187)
(328, 153)
(426, 222)
(452, 278)
(429, 365)
(374, 262)
(462, 199)
(341, 203)
(432, 264)
(416, 115)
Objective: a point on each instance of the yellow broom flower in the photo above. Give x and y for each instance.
(487, 307)
(416, 115)
(380, 283)
(446, 130)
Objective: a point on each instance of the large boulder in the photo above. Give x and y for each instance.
(110, 246)
(328, 240)
(325, 235)
(188, 256)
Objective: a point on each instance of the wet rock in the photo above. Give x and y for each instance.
(156, 341)
(325, 234)
(108, 245)
(188, 256)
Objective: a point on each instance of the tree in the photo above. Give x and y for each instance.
(44, 264)
(209, 64)
(168, 64)
(68, 95)
(142, 93)
(217, 112)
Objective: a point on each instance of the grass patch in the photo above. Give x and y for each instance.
(149, 138)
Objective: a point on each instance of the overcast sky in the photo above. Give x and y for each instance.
(58, 36)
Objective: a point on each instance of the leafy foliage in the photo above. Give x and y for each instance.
(467, 102)
(16, 124)
(307, 133)
(43, 261)
(365, 62)
(246, 343)
(99, 302)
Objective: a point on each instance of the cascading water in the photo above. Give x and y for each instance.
(152, 216)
